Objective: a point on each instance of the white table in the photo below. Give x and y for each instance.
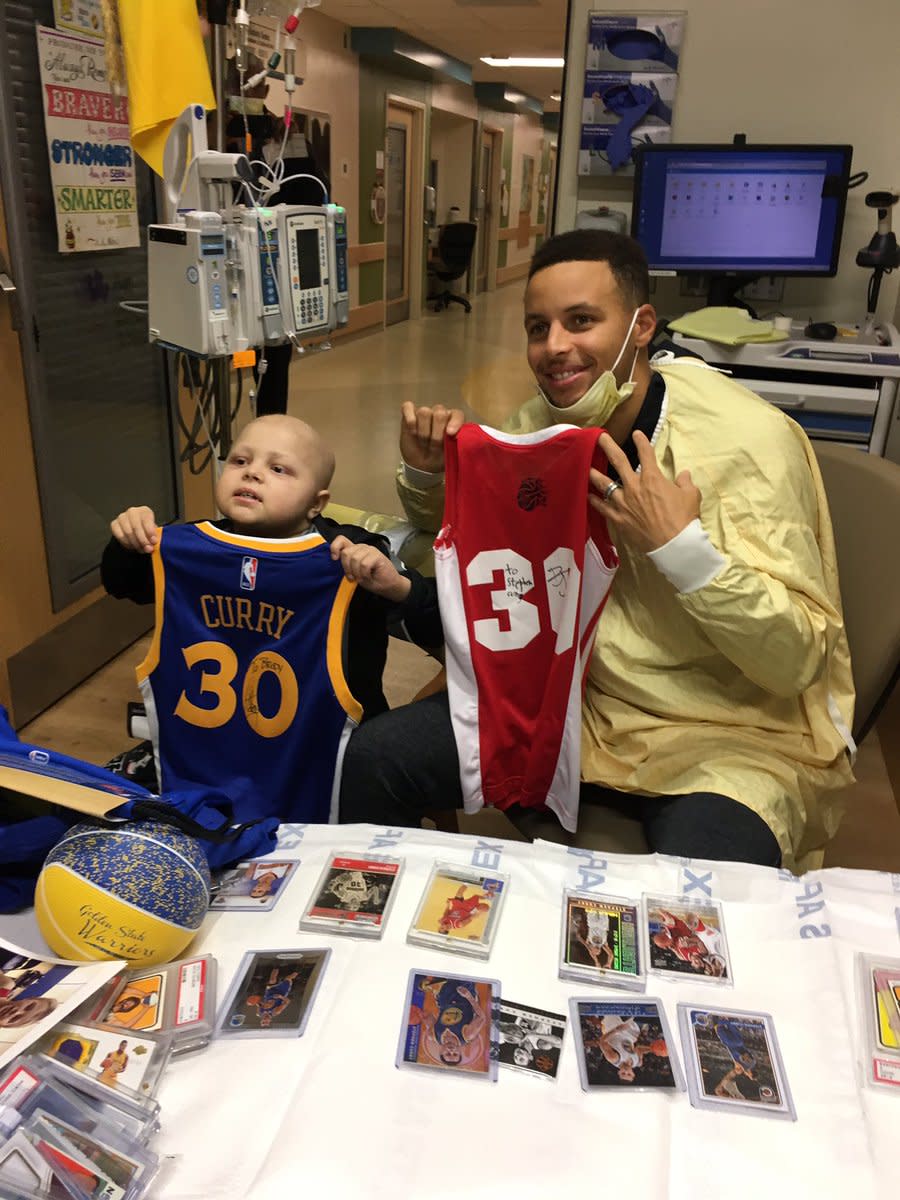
(329, 1114)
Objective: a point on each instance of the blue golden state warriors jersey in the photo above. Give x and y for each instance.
(244, 683)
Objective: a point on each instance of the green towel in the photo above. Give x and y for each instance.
(727, 326)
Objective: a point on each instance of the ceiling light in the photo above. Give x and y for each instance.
(524, 62)
(556, 96)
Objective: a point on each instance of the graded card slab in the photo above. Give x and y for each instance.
(22, 1164)
(254, 885)
(686, 938)
(625, 1044)
(600, 942)
(178, 998)
(27, 1087)
(886, 981)
(272, 993)
(138, 1114)
(353, 895)
(448, 1025)
(108, 1169)
(733, 1061)
(459, 910)
(115, 1060)
(879, 999)
(531, 1040)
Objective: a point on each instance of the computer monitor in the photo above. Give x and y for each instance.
(738, 212)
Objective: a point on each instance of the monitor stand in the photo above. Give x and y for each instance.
(723, 289)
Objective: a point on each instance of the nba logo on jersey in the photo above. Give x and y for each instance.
(248, 574)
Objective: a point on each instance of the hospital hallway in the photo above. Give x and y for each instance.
(352, 396)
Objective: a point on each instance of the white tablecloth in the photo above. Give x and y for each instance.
(329, 1114)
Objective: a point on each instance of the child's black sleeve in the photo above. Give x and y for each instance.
(127, 574)
(418, 618)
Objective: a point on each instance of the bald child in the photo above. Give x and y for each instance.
(275, 484)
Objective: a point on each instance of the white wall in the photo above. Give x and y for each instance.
(779, 71)
(451, 146)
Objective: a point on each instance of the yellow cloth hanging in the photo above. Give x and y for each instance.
(167, 70)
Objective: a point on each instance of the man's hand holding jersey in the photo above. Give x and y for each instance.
(422, 432)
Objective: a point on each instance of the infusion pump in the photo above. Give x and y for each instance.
(220, 285)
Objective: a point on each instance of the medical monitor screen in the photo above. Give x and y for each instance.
(308, 258)
(759, 210)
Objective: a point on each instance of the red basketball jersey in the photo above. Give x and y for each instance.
(523, 566)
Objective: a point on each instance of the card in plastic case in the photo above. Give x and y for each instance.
(459, 910)
(93, 1165)
(733, 1062)
(686, 939)
(878, 988)
(625, 1044)
(176, 998)
(132, 1103)
(600, 941)
(353, 895)
(121, 1062)
(136, 1123)
(27, 1087)
(253, 886)
(272, 993)
(449, 1025)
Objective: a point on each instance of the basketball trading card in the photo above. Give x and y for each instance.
(449, 1025)
(178, 998)
(459, 910)
(82, 1178)
(625, 1044)
(879, 995)
(138, 1114)
(23, 1166)
(105, 1167)
(255, 885)
(686, 938)
(531, 1040)
(733, 1062)
(115, 1060)
(887, 987)
(353, 895)
(272, 993)
(599, 941)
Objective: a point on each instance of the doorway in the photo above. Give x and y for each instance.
(398, 178)
(488, 203)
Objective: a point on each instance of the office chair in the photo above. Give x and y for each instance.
(454, 254)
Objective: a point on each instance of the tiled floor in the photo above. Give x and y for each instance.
(352, 395)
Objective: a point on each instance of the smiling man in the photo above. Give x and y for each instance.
(719, 697)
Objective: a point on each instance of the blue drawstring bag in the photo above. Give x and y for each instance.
(43, 793)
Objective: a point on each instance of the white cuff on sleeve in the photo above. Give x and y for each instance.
(421, 479)
(689, 560)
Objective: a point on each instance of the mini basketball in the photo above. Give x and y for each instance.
(137, 891)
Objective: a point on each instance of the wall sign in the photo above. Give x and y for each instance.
(91, 160)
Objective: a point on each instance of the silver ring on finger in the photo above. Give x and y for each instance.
(610, 488)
